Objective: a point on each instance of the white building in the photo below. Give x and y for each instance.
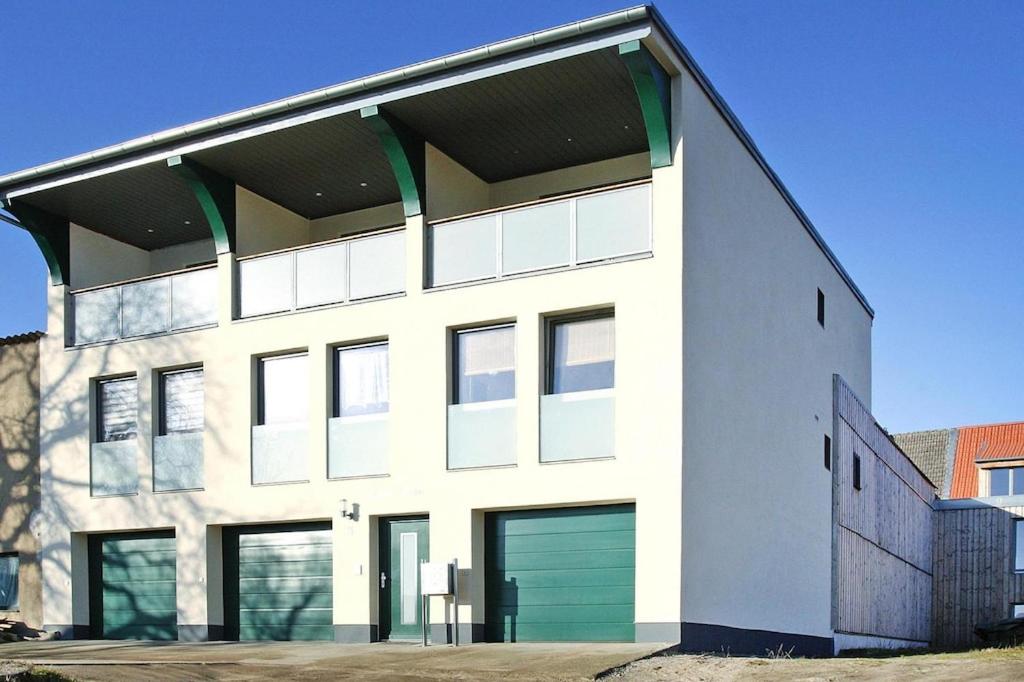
(541, 307)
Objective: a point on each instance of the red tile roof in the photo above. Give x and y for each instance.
(983, 443)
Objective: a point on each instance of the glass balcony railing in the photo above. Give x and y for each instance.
(358, 446)
(577, 425)
(322, 274)
(178, 461)
(155, 305)
(557, 233)
(113, 468)
(482, 434)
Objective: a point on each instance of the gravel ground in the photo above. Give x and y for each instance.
(996, 665)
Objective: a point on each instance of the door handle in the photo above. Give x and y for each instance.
(383, 579)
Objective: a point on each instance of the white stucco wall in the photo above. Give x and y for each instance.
(181, 256)
(343, 224)
(463, 191)
(266, 226)
(757, 391)
(533, 187)
(97, 259)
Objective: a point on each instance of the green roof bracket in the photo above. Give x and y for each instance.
(52, 234)
(653, 89)
(406, 152)
(216, 196)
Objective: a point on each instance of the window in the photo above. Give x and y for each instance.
(1018, 545)
(361, 380)
(581, 354)
(283, 390)
(485, 365)
(828, 453)
(1018, 611)
(116, 409)
(1006, 481)
(8, 582)
(181, 401)
(856, 472)
(821, 308)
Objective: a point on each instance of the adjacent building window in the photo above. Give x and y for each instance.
(821, 307)
(8, 582)
(1018, 545)
(283, 390)
(856, 472)
(581, 354)
(181, 401)
(828, 453)
(485, 365)
(361, 380)
(116, 409)
(1018, 611)
(1006, 481)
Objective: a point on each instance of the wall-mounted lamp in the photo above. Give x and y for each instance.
(345, 513)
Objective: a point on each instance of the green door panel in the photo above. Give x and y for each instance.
(133, 586)
(561, 574)
(405, 543)
(279, 582)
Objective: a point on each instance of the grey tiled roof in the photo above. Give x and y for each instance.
(21, 338)
(931, 451)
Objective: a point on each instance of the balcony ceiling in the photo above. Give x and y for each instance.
(554, 115)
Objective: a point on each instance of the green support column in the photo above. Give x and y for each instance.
(406, 151)
(653, 89)
(52, 234)
(216, 196)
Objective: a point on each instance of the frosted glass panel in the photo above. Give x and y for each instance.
(114, 468)
(265, 285)
(194, 299)
(464, 250)
(178, 462)
(613, 224)
(577, 425)
(145, 307)
(378, 265)
(320, 275)
(357, 446)
(279, 453)
(482, 434)
(97, 316)
(409, 573)
(534, 238)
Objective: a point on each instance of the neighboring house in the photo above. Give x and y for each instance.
(21, 606)
(979, 525)
(541, 307)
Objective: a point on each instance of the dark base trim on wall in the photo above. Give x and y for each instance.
(699, 638)
(668, 633)
(355, 634)
(68, 631)
(441, 633)
(200, 633)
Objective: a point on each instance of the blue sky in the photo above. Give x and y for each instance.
(897, 126)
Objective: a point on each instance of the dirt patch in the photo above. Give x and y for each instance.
(997, 665)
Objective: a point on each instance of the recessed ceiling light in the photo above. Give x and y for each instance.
(362, 184)
(150, 231)
(188, 222)
(568, 139)
(626, 127)
(319, 194)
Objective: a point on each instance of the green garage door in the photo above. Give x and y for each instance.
(278, 583)
(561, 574)
(132, 586)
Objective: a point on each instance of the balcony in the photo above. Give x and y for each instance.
(564, 232)
(145, 307)
(340, 271)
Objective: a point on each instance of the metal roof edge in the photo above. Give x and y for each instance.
(323, 95)
(741, 132)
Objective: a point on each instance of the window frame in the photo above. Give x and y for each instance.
(821, 308)
(858, 483)
(828, 452)
(1018, 536)
(161, 398)
(261, 389)
(1013, 608)
(454, 375)
(97, 429)
(552, 321)
(336, 350)
(1011, 470)
(16, 606)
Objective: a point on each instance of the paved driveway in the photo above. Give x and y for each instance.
(151, 661)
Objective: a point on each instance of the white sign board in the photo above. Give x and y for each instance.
(435, 578)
